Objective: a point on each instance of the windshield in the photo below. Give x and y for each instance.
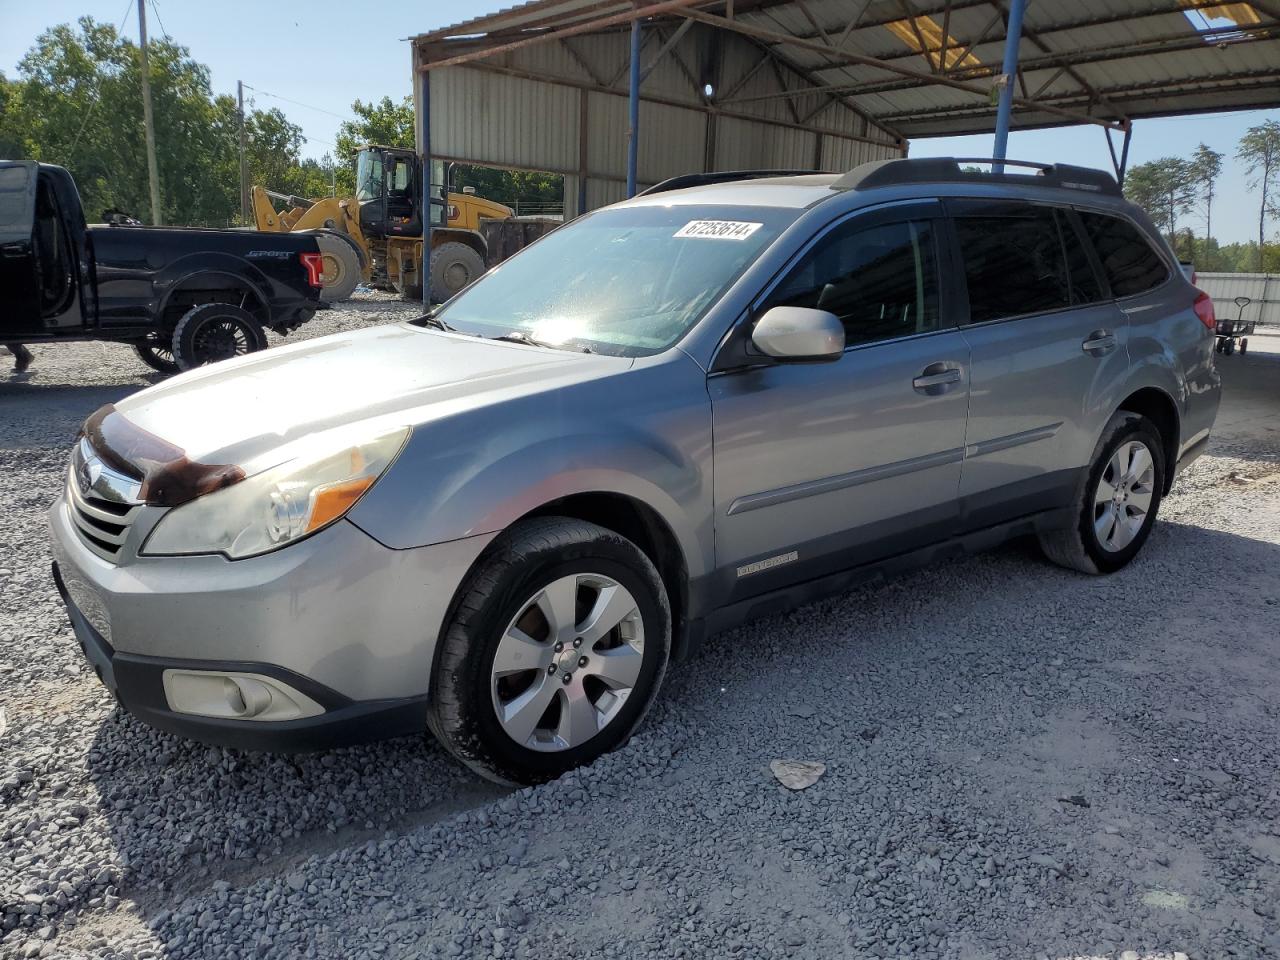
(368, 175)
(628, 281)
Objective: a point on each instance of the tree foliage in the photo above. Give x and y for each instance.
(1206, 167)
(77, 102)
(1166, 189)
(1259, 150)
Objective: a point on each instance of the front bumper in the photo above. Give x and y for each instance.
(346, 622)
(138, 684)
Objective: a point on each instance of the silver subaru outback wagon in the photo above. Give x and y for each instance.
(727, 396)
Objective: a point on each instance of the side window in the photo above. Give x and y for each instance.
(1125, 253)
(1013, 264)
(1085, 287)
(881, 281)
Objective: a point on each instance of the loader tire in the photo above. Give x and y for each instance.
(453, 266)
(341, 271)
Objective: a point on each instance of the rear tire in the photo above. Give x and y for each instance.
(454, 265)
(215, 331)
(500, 700)
(156, 351)
(1116, 502)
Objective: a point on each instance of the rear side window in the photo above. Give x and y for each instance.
(1130, 264)
(1013, 264)
(881, 280)
(1085, 287)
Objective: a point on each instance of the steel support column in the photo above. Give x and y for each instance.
(422, 118)
(1013, 35)
(633, 110)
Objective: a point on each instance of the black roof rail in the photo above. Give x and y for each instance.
(722, 176)
(886, 173)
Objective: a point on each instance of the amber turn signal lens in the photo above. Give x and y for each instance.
(333, 501)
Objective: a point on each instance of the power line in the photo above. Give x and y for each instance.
(299, 103)
(156, 10)
(128, 7)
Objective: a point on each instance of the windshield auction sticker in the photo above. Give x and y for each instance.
(718, 229)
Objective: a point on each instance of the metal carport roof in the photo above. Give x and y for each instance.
(919, 68)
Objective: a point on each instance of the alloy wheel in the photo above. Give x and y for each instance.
(567, 662)
(1123, 496)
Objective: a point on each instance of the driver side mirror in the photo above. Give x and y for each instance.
(799, 334)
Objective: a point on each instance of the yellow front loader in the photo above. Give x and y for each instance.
(336, 225)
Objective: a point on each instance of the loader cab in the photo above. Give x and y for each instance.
(45, 266)
(388, 189)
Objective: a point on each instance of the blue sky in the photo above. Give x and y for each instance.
(326, 53)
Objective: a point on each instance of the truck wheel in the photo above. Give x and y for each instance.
(156, 351)
(215, 331)
(555, 650)
(341, 263)
(453, 266)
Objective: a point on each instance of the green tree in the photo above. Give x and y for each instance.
(1206, 167)
(1259, 150)
(1166, 189)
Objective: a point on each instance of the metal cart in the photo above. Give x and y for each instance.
(1237, 331)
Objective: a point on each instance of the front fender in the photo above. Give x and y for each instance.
(644, 435)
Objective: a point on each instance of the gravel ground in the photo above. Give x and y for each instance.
(1019, 762)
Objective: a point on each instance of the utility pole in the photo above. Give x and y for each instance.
(153, 170)
(244, 160)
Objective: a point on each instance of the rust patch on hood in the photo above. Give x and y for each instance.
(169, 477)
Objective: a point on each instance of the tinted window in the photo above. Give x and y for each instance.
(1125, 253)
(1013, 264)
(1085, 287)
(881, 281)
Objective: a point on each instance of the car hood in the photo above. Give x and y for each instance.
(241, 411)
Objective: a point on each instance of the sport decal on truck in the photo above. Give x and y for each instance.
(278, 254)
(718, 229)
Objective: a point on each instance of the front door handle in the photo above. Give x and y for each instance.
(937, 378)
(1099, 343)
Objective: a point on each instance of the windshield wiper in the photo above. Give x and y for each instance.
(519, 336)
(431, 320)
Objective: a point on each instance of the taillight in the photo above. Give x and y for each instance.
(1204, 310)
(314, 263)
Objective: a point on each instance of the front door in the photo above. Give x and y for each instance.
(824, 466)
(19, 276)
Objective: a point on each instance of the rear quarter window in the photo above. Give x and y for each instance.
(1126, 255)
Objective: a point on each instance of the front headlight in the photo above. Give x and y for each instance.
(277, 506)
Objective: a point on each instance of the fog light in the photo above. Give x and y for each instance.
(235, 696)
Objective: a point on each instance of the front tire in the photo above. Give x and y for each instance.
(1117, 502)
(215, 331)
(556, 648)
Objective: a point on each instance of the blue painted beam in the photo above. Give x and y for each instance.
(633, 110)
(1013, 37)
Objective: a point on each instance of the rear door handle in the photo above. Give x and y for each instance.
(937, 378)
(1099, 342)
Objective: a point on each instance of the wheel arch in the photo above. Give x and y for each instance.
(469, 238)
(180, 296)
(1158, 407)
(623, 514)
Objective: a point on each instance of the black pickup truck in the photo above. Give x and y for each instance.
(182, 296)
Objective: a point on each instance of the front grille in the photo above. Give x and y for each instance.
(102, 523)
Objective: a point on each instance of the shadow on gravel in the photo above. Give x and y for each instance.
(184, 815)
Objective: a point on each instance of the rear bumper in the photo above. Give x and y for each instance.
(138, 684)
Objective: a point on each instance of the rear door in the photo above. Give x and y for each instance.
(18, 273)
(1046, 343)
